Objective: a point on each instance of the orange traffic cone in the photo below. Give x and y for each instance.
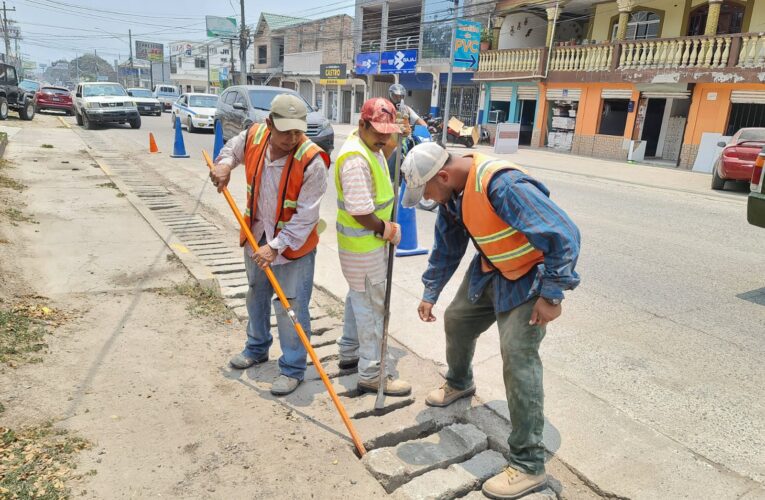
(152, 144)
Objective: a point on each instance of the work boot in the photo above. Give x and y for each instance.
(242, 362)
(446, 395)
(348, 363)
(512, 483)
(284, 385)
(392, 387)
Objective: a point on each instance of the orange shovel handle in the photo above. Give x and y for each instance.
(293, 317)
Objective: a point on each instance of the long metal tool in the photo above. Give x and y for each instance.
(380, 400)
(293, 317)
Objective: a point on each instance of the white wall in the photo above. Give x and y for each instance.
(532, 31)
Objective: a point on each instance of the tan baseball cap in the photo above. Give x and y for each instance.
(289, 112)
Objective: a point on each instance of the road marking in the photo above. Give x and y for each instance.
(180, 248)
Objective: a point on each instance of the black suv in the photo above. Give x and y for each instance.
(14, 97)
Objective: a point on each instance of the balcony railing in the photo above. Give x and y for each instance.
(582, 58)
(705, 52)
(689, 52)
(521, 60)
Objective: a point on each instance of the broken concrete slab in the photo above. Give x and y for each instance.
(546, 494)
(455, 480)
(399, 464)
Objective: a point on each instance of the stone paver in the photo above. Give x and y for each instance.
(546, 494)
(399, 464)
(455, 480)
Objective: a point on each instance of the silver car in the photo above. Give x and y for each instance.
(242, 105)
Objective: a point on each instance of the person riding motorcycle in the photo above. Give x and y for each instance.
(396, 94)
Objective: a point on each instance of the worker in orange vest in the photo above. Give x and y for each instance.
(527, 248)
(286, 178)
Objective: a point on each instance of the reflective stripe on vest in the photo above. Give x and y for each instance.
(507, 249)
(351, 235)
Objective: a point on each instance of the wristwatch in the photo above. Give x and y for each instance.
(553, 302)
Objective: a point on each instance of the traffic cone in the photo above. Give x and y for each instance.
(152, 144)
(219, 142)
(179, 150)
(407, 219)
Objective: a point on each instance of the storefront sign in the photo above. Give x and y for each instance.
(332, 74)
(367, 63)
(466, 44)
(149, 51)
(398, 62)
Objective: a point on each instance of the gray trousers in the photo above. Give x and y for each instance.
(464, 321)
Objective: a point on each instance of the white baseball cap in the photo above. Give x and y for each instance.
(421, 164)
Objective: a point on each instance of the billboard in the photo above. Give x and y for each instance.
(332, 74)
(367, 63)
(149, 51)
(398, 61)
(221, 27)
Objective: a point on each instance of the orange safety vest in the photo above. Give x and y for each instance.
(289, 186)
(502, 247)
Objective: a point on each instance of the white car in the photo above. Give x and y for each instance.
(146, 102)
(104, 102)
(196, 111)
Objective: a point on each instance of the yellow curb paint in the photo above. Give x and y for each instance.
(63, 122)
(179, 247)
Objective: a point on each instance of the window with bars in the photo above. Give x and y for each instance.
(199, 62)
(744, 115)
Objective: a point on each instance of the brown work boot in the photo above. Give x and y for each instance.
(512, 483)
(446, 395)
(392, 387)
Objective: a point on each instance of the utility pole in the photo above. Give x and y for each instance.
(208, 68)
(231, 50)
(243, 36)
(130, 42)
(77, 65)
(95, 52)
(448, 96)
(7, 36)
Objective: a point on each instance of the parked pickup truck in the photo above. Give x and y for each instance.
(14, 97)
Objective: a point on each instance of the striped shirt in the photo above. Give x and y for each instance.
(295, 232)
(359, 195)
(523, 203)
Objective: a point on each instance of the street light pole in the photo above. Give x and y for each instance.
(130, 44)
(448, 96)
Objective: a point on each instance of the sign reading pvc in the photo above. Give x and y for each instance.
(368, 63)
(332, 74)
(467, 44)
(398, 61)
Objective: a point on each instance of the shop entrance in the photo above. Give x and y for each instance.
(661, 124)
(526, 112)
(652, 125)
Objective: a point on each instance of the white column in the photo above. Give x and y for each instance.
(353, 102)
(664, 127)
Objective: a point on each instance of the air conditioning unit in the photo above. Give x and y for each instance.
(252, 67)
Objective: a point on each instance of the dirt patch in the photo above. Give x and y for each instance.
(204, 302)
(36, 461)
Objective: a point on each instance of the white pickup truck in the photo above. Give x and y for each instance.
(104, 102)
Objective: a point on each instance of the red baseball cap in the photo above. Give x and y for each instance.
(381, 114)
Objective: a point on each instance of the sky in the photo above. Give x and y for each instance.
(63, 29)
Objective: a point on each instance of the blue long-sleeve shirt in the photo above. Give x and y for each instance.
(523, 203)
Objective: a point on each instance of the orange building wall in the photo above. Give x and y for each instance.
(712, 116)
(588, 114)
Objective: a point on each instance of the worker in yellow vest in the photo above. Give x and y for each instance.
(364, 228)
(527, 249)
(286, 177)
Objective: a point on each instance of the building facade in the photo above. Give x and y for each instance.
(202, 66)
(629, 79)
(289, 51)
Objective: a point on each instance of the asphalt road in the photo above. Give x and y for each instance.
(666, 330)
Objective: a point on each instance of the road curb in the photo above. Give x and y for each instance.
(201, 273)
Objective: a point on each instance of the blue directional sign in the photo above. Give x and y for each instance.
(368, 63)
(398, 61)
(466, 44)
